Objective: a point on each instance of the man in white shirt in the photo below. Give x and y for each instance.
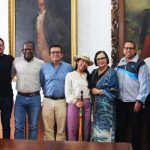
(28, 100)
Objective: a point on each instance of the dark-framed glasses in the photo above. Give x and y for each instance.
(55, 52)
(128, 48)
(102, 58)
(28, 49)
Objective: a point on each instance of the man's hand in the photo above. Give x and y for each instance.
(137, 107)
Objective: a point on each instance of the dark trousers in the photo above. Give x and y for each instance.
(147, 115)
(6, 105)
(125, 115)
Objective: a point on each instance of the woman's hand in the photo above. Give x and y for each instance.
(96, 91)
(78, 104)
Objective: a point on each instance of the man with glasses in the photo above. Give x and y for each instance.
(133, 90)
(28, 100)
(6, 92)
(54, 104)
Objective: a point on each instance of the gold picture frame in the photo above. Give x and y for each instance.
(134, 25)
(12, 28)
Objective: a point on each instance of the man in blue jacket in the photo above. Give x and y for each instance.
(133, 90)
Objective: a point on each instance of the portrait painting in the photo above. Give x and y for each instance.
(137, 24)
(44, 22)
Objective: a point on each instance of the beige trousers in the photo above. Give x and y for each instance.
(54, 111)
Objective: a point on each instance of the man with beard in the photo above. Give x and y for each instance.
(6, 92)
(28, 100)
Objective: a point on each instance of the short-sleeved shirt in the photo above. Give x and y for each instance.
(28, 74)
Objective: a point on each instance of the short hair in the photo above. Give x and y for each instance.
(29, 42)
(130, 41)
(95, 61)
(56, 45)
(2, 40)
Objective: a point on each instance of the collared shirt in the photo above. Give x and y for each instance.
(53, 79)
(74, 84)
(5, 75)
(28, 74)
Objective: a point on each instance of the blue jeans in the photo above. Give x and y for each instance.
(30, 106)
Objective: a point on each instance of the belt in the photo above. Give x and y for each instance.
(29, 94)
(55, 98)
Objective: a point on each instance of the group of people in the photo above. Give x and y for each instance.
(111, 97)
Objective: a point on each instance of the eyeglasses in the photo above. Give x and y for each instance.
(129, 48)
(28, 49)
(102, 58)
(55, 52)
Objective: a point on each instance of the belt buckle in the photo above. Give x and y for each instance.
(32, 94)
(55, 98)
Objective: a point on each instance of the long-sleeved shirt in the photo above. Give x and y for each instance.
(147, 61)
(5, 75)
(28, 74)
(133, 80)
(74, 84)
(53, 79)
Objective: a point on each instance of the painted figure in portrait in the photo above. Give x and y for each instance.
(145, 34)
(44, 22)
(137, 24)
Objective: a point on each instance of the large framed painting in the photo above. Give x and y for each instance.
(134, 24)
(45, 22)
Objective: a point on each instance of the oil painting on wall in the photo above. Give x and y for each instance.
(137, 24)
(45, 22)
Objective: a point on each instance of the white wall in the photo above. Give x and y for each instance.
(4, 22)
(94, 26)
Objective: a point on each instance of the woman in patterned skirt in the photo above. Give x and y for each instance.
(104, 91)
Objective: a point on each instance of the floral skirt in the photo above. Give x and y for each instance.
(103, 122)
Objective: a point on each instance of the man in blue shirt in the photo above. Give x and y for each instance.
(53, 76)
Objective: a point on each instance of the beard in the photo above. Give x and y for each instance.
(28, 57)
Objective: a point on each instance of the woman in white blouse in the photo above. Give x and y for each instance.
(77, 81)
